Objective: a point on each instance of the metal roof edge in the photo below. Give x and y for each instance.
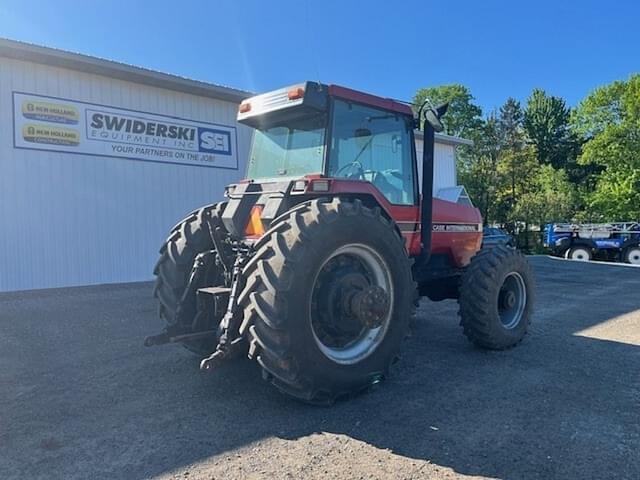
(446, 139)
(85, 63)
(55, 57)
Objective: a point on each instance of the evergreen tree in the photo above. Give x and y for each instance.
(512, 141)
(510, 125)
(546, 121)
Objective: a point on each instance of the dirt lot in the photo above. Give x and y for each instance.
(81, 398)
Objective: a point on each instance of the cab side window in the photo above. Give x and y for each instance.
(373, 145)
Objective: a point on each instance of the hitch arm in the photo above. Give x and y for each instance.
(214, 232)
(228, 347)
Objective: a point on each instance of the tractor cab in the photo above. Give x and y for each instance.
(312, 139)
(314, 129)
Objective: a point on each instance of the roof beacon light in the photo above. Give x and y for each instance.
(295, 93)
(244, 107)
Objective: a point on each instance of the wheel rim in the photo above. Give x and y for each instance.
(351, 272)
(580, 254)
(633, 256)
(512, 300)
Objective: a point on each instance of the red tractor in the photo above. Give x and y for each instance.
(315, 263)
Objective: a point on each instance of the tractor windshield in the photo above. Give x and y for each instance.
(288, 150)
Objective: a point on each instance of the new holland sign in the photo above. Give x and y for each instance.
(61, 125)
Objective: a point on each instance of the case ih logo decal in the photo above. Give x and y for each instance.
(49, 123)
(457, 227)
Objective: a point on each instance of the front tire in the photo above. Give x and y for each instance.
(496, 298)
(301, 287)
(632, 255)
(579, 253)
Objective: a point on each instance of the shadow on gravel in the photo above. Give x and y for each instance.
(85, 398)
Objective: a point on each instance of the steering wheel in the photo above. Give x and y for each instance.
(354, 164)
(388, 189)
(394, 172)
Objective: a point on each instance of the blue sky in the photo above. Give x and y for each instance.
(391, 48)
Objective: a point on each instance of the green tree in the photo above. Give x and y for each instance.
(609, 120)
(551, 198)
(601, 108)
(516, 171)
(510, 121)
(463, 117)
(512, 142)
(477, 167)
(546, 121)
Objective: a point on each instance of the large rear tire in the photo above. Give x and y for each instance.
(496, 298)
(300, 290)
(187, 239)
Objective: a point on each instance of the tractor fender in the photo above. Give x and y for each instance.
(562, 245)
(406, 218)
(631, 242)
(371, 201)
(583, 242)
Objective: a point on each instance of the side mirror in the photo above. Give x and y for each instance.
(362, 137)
(433, 116)
(362, 132)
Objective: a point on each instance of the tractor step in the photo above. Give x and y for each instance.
(210, 299)
(213, 300)
(215, 290)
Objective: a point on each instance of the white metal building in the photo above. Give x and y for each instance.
(86, 194)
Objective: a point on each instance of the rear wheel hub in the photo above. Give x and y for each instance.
(351, 303)
(512, 300)
(370, 306)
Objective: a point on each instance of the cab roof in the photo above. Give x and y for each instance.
(368, 99)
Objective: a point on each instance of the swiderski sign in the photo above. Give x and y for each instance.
(62, 125)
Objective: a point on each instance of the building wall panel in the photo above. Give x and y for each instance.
(444, 165)
(71, 219)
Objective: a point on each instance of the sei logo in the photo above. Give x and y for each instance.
(211, 140)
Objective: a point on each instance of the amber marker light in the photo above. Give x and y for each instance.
(296, 93)
(254, 227)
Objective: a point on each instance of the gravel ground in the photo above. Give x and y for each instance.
(81, 398)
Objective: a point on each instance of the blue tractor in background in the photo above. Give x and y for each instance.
(618, 241)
